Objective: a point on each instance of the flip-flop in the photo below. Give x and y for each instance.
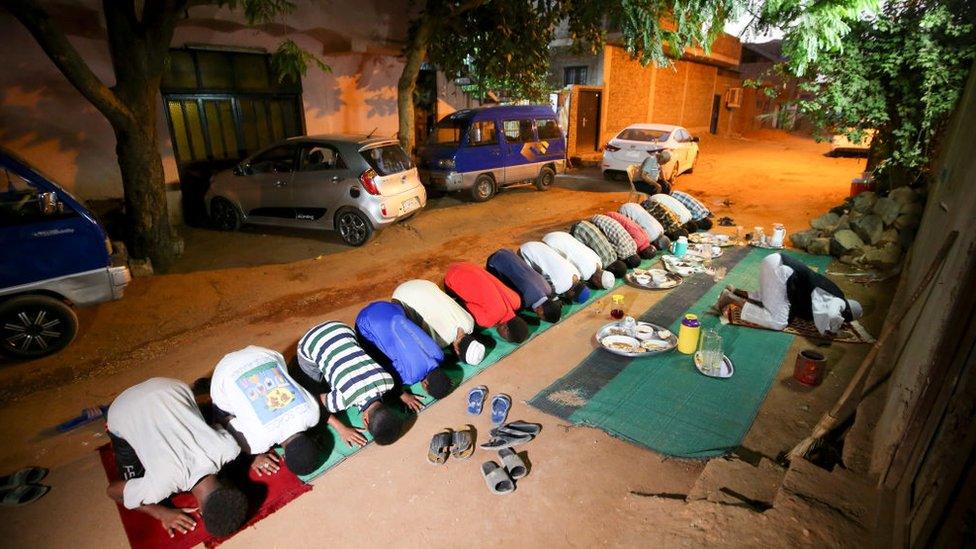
(496, 478)
(476, 399)
(22, 495)
(440, 447)
(513, 463)
(27, 475)
(504, 441)
(500, 405)
(518, 428)
(462, 443)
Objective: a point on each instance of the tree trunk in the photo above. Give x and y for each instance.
(415, 53)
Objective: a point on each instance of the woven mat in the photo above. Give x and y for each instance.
(850, 332)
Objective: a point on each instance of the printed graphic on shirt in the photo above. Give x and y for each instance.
(270, 393)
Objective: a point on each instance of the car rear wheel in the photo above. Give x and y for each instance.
(353, 227)
(545, 178)
(483, 189)
(33, 326)
(224, 215)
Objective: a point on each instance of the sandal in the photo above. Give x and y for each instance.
(476, 399)
(496, 478)
(440, 447)
(462, 442)
(513, 463)
(502, 440)
(27, 475)
(518, 428)
(22, 495)
(500, 405)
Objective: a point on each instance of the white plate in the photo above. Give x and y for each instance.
(609, 341)
(727, 368)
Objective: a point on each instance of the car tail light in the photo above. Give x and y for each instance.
(383, 210)
(611, 148)
(367, 180)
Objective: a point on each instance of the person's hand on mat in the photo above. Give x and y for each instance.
(412, 401)
(266, 463)
(176, 520)
(351, 436)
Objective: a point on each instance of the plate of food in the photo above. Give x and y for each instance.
(682, 266)
(705, 251)
(653, 279)
(648, 339)
(721, 240)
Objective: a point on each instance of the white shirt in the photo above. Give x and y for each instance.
(441, 316)
(556, 268)
(268, 406)
(639, 215)
(586, 261)
(672, 203)
(160, 419)
(774, 313)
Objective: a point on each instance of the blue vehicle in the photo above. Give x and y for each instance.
(53, 254)
(482, 150)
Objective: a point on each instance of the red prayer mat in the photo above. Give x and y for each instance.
(266, 494)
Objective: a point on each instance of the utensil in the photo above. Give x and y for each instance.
(680, 247)
(779, 234)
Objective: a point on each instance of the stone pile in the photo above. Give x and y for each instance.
(867, 230)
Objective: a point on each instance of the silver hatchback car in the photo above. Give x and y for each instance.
(351, 184)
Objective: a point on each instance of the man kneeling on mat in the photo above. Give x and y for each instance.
(163, 446)
(412, 356)
(621, 240)
(330, 352)
(536, 292)
(586, 261)
(446, 321)
(263, 407)
(679, 210)
(789, 289)
(490, 302)
(565, 278)
(592, 237)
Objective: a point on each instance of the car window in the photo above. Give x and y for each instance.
(518, 131)
(547, 128)
(277, 160)
(644, 134)
(316, 158)
(447, 132)
(20, 202)
(682, 136)
(387, 159)
(482, 132)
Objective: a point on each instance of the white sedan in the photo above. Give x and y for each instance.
(638, 141)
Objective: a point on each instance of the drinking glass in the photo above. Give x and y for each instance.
(617, 309)
(711, 352)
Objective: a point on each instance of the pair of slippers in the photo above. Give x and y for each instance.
(500, 404)
(458, 444)
(501, 478)
(511, 434)
(22, 487)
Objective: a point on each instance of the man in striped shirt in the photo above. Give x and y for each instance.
(672, 225)
(621, 240)
(330, 352)
(699, 213)
(590, 235)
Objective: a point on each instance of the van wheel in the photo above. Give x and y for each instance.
(224, 215)
(33, 326)
(545, 178)
(483, 189)
(353, 227)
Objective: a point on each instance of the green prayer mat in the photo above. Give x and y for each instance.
(662, 402)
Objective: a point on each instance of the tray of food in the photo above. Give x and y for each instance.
(720, 240)
(704, 251)
(653, 279)
(682, 266)
(646, 340)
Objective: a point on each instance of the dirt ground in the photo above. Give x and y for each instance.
(266, 287)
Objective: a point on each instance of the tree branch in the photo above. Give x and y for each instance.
(67, 59)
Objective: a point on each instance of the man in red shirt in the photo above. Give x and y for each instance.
(489, 301)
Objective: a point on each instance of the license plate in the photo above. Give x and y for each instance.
(410, 205)
(633, 155)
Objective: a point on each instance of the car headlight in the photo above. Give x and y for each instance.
(446, 163)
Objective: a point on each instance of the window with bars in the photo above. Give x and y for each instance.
(574, 75)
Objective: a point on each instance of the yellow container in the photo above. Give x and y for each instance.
(688, 334)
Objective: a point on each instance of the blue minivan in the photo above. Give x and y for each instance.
(53, 254)
(482, 150)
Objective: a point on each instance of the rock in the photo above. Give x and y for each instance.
(885, 255)
(826, 222)
(851, 258)
(864, 202)
(890, 235)
(802, 239)
(819, 246)
(869, 228)
(903, 195)
(140, 267)
(911, 208)
(845, 242)
(908, 221)
(843, 223)
(839, 210)
(887, 209)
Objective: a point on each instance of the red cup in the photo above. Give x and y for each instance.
(809, 367)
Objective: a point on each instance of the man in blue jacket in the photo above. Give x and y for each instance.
(536, 292)
(412, 356)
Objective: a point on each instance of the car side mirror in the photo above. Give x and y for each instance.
(695, 139)
(49, 203)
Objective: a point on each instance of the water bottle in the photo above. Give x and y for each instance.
(688, 334)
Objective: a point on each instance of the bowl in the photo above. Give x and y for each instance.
(621, 343)
(643, 279)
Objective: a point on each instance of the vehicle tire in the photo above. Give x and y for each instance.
(353, 227)
(224, 215)
(32, 326)
(545, 178)
(483, 188)
(608, 175)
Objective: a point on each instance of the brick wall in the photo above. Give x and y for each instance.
(627, 91)
(669, 89)
(699, 91)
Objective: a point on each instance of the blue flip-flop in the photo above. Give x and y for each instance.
(500, 405)
(476, 399)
